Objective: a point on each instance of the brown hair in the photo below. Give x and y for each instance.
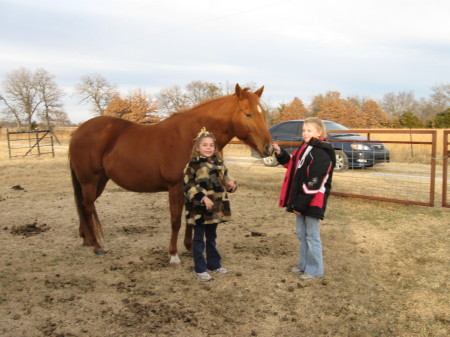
(318, 123)
(205, 134)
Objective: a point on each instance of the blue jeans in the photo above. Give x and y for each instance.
(212, 261)
(308, 233)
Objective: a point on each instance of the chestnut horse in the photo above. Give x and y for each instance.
(151, 158)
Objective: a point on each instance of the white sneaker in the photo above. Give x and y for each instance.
(307, 276)
(297, 270)
(204, 276)
(220, 270)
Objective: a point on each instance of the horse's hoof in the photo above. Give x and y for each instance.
(99, 252)
(175, 261)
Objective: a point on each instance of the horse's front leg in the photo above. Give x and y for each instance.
(176, 201)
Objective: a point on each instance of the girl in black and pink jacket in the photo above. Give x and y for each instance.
(305, 191)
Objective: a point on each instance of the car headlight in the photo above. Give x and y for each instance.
(359, 147)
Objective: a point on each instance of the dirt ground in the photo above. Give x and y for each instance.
(386, 265)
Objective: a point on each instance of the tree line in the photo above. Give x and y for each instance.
(30, 98)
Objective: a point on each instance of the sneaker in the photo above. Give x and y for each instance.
(203, 276)
(307, 276)
(220, 270)
(297, 270)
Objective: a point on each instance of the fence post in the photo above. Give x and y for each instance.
(37, 142)
(9, 144)
(51, 142)
(433, 167)
(445, 154)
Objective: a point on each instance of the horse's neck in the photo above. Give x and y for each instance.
(219, 127)
(222, 133)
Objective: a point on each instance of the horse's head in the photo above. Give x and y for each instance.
(249, 121)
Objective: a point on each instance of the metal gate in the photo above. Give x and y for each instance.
(28, 143)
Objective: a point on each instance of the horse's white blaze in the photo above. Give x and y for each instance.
(260, 109)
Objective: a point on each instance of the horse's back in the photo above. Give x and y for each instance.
(121, 150)
(99, 128)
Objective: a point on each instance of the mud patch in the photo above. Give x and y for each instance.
(29, 229)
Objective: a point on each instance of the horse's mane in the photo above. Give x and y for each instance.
(208, 101)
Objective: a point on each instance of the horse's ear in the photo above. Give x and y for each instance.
(259, 91)
(238, 90)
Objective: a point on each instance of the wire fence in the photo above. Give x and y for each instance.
(414, 172)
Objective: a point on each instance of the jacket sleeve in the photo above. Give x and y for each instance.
(317, 174)
(228, 178)
(193, 191)
(283, 158)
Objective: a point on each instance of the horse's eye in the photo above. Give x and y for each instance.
(249, 115)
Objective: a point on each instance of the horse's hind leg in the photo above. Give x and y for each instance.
(85, 233)
(92, 232)
(176, 201)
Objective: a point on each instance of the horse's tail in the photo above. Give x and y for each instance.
(89, 235)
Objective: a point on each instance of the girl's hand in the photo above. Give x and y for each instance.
(276, 148)
(208, 203)
(231, 185)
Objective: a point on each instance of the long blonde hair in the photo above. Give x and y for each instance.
(319, 124)
(205, 134)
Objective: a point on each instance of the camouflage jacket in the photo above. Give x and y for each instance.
(206, 178)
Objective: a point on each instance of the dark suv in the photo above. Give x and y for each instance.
(352, 150)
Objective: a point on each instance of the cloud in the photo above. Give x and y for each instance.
(294, 48)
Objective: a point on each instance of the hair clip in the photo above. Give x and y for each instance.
(203, 132)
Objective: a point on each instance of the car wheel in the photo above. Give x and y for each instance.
(270, 161)
(341, 161)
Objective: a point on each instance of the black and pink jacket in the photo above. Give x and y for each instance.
(307, 182)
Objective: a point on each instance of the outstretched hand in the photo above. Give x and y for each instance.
(231, 185)
(276, 148)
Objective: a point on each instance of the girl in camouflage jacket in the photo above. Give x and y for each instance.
(206, 183)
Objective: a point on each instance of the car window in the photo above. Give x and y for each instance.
(291, 129)
(334, 126)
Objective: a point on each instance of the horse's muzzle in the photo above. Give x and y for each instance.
(268, 150)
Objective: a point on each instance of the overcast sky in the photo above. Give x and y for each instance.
(295, 48)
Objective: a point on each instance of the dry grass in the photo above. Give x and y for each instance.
(386, 265)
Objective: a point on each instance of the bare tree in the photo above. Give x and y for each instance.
(11, 111)
(51, 111)
(398, 104)
(197, 91)
(97, 90)
(28, 95)
(172, 100)
(21, 95)
(175, 99)
(441, 96)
